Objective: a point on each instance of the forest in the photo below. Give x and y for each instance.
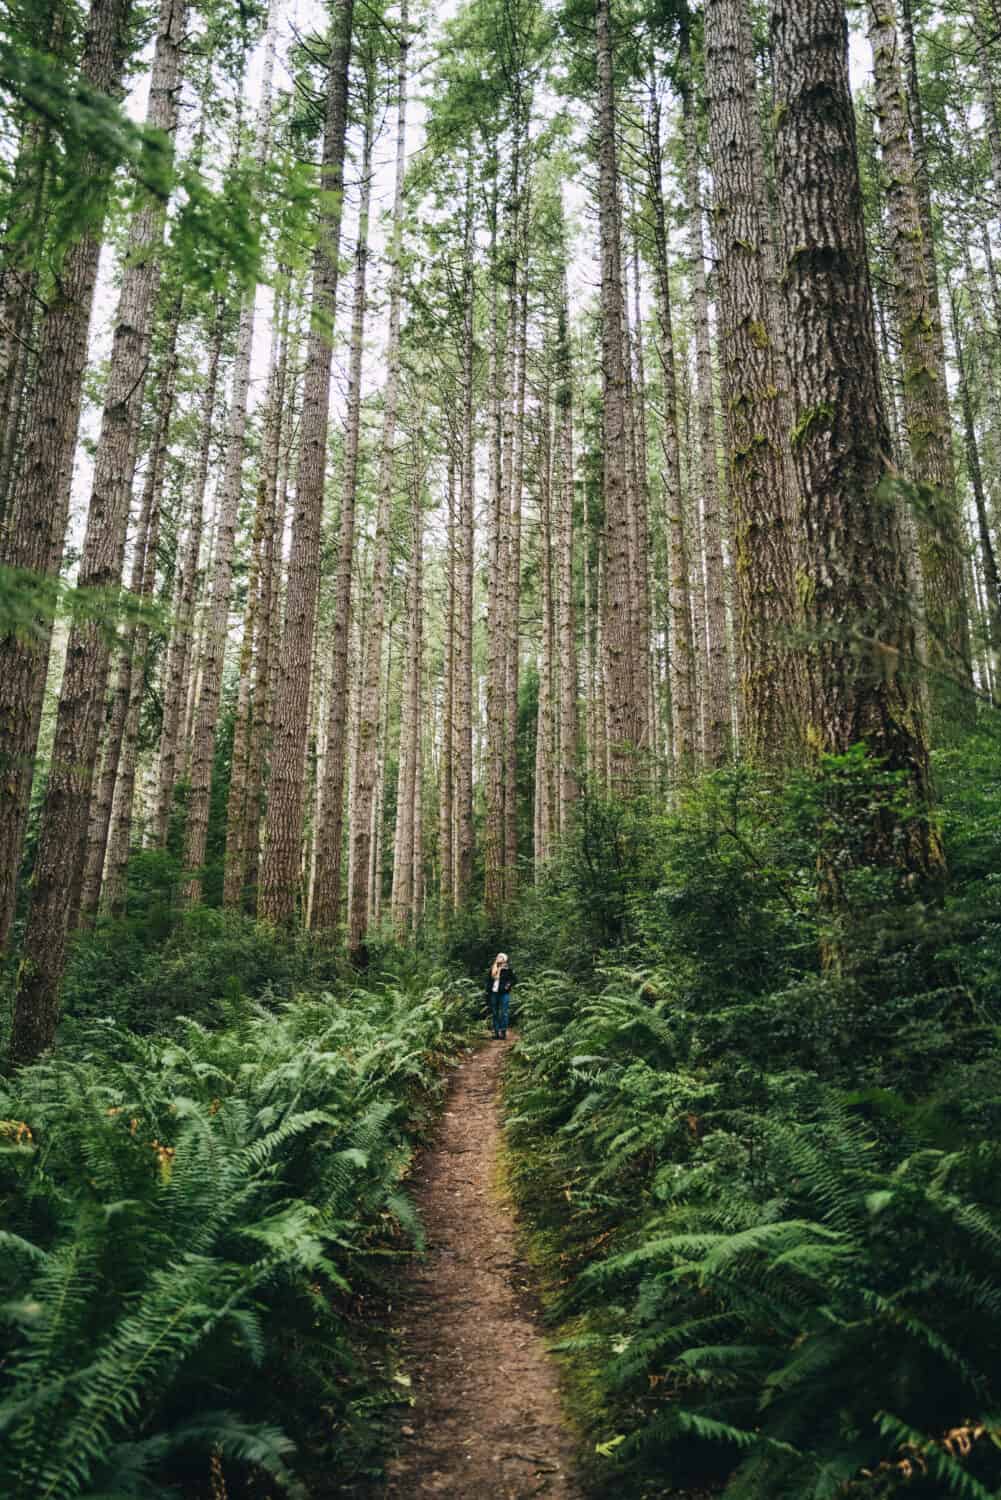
(511, 478)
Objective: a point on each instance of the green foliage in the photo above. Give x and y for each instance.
(766, 1195)
(193, 1231)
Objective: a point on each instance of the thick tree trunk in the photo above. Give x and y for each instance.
(772, 687)
(78, 726)
(326, 909)
(926, 402)
(861, 660)
(280, 867)
(368, 709)
(40, 493)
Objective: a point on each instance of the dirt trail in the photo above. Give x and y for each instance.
(486, 1420)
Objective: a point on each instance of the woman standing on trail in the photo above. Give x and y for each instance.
(500, 978)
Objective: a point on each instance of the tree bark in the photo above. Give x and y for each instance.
(464, 827)
(280, 867)
(67, 800)
(567, 771)
(682, 655)
(230, 494)
(863, 683)
(446, 757)
(179, 653)
(403, 894)
(512, 595)
(41, 486)
(326, 908)
(772, 688)
(716, 692)
(127, 698)
(623, 697)
(368, 710)
(988, 558)
(545, 735)
(926, 404)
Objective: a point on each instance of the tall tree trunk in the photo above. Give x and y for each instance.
(179, 652)
(772, 687)
(854, 567)
(19, 284)
(623, 696)
(280, 867)
(502, 377)
(126, 700)
(376, 862)
(230, 494)
(926, 403)
(642, 511)
(464, 831)
(446, 758)
(41, 486)
(682, 663)
(120, 833)
(278, 460)
(78, 725)
(716, 691)
(512, 601)
(567, 773)
(326, 908)
(410, 725)
(545, 735)
(988, 559)
(368, 710)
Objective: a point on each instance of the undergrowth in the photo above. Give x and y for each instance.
(196, 1234)
(765, 1193)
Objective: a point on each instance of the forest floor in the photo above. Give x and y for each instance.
(486, 1420)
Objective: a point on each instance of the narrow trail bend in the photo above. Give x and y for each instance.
(486, 1420)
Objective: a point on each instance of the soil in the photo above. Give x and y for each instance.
(486, 1419)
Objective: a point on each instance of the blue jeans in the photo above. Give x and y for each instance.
(500, 1005)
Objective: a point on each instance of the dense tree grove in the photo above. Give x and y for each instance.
(528, 471)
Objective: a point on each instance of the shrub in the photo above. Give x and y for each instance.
(191, 1228)
(766, 1193)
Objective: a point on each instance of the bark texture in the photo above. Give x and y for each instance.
(926, 401)
(67, 800)
(364, 789)
(771, 682)
(280, 866)
(623, 695)
(326, 909)
(861, 659)
(39, 502)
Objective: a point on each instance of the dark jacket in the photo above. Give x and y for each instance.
(506, 977)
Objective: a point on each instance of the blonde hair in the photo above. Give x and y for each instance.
(498, 964)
